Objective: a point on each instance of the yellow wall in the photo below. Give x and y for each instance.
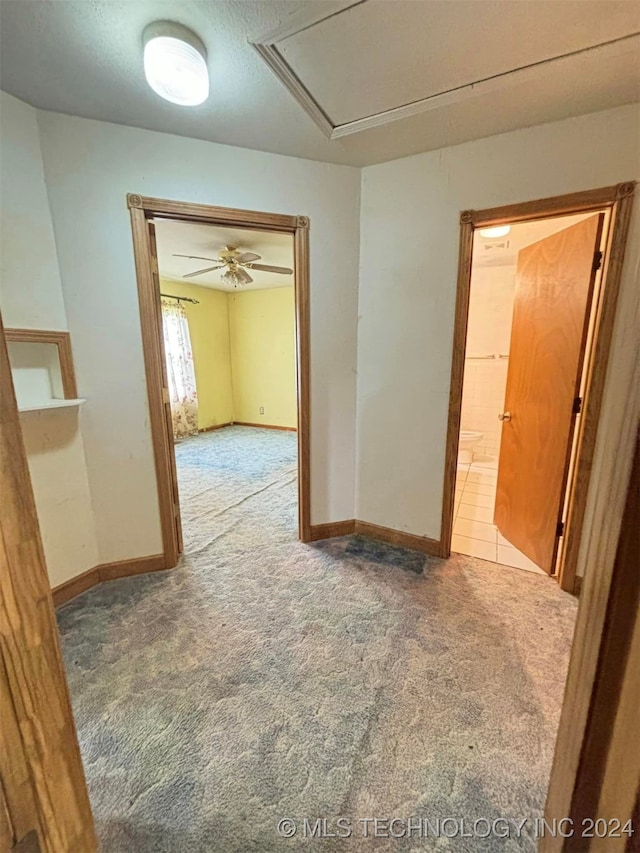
(243, 352)
(263, 362)
(209, 331)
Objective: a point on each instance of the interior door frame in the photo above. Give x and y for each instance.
(142, 209)
(618, 200)
(44, 801)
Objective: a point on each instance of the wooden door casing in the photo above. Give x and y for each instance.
(554, 287)
(153, 246)
(43, 783)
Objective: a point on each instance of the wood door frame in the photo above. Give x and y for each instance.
(143, 208)
(62, 340)
(618, 200)
(43, 793)
(596, 763)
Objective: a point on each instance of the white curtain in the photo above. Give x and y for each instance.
(181, 376)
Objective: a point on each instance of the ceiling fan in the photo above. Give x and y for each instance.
(237, 264)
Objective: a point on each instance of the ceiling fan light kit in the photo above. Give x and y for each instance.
(237, 263)
(175, 63)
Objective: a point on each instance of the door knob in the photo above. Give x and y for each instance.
(504, 416)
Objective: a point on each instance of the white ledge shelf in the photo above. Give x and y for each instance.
(51, 404)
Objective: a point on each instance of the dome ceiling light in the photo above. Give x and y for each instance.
(175, 63)
(497, 231)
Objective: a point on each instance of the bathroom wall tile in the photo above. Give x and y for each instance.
(476, 513)
(473, 547)
(474, 499)
(475, 530)
(483, 466)
(481, 488)
(482, 477)
(514, 558)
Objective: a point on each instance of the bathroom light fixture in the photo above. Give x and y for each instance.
(498, 231)
(175, 63)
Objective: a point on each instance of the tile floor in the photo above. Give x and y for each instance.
(474, 532)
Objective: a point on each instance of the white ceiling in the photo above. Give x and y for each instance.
(503, 251)
(186, 238)
(85, 58)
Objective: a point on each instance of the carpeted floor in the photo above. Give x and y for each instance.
(265, 679)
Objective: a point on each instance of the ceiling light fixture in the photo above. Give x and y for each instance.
(175, 63)
(236, 276)
(498, 231)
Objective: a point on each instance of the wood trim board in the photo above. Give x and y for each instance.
(142, 210)
(618, 199)
(43, 785)
(215, 427)
(622, 614)
(230, 216)
(60, 339)
(150, 314)
(106, 572)
(399, 537)
(461, 318)
(139, 565)
(375, 531)
(331, 529)
(596, 766)
(592, 408)
(545, 208)
(265, 426)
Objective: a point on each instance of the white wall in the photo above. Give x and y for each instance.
(488, 333)
(30, 287)
(31, 297)
(408, 217)
(90, 167)
(409, 258)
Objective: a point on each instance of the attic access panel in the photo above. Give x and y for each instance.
(359, 60)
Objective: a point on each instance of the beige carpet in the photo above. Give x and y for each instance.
(265, 679)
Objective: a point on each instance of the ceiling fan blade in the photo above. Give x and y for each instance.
(269, 268)
(199, 258)
(246, 278)
(245, 257)
(200, 272)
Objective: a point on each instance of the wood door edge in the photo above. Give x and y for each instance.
(611, 280)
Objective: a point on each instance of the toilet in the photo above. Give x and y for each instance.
(468, 439)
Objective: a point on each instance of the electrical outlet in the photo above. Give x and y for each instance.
(262, 410)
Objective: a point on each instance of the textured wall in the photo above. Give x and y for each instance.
(407, 297)
(90, 166)
(263, 356)
(31, 297)
(488, 333)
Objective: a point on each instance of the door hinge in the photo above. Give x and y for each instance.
(597, 260)
(560, 529)
(165, 395)
(577, 405)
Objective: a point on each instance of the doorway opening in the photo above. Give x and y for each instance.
(228, 321)
(534, 291)
(537, 291)
(160, 228)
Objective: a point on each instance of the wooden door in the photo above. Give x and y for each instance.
(554, 286)
(153, 246)
(43, 795)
